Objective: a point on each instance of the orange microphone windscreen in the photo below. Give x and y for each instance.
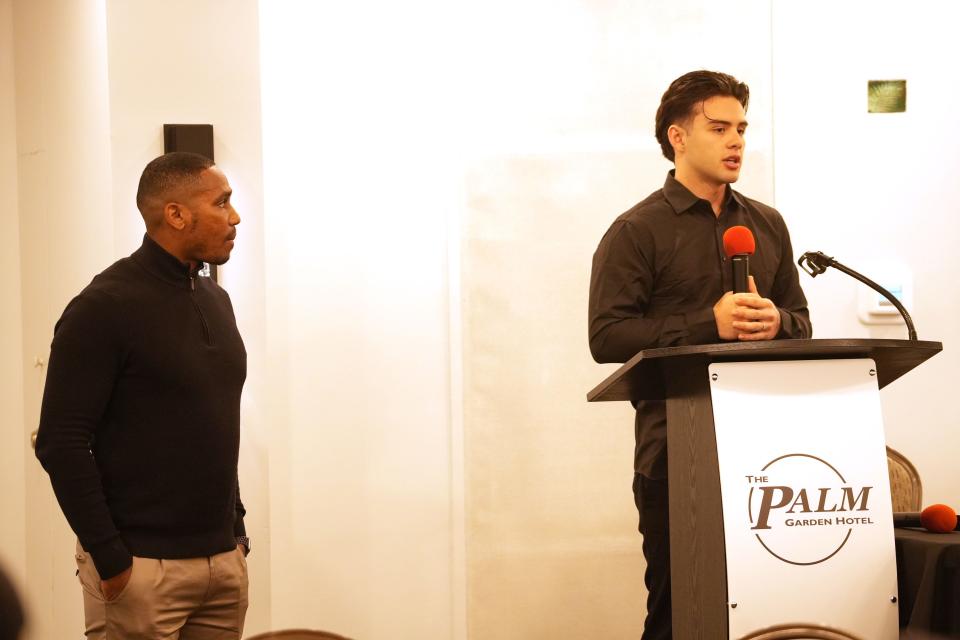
(738, 241)
(938, 518)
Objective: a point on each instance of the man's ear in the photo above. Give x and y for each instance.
(677, 136)
(174, 215)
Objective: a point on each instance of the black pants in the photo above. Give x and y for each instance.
(653, 505)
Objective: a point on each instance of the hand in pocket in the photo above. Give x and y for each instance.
(112, 588)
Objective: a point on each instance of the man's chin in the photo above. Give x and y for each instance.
(720, 176)
(217, 260)
(729, 177)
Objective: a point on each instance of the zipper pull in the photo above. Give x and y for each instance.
(193, 284)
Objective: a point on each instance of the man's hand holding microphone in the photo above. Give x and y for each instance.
(742, 314)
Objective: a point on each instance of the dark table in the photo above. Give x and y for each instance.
(928, 581)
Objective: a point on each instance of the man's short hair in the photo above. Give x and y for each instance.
(680, 100)
(168, 172)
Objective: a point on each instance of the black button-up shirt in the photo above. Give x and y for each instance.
(659, 270)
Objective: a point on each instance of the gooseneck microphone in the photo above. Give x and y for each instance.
(739, 245)
(815, 263)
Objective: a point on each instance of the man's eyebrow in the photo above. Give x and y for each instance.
(225, 194)
(743, 123)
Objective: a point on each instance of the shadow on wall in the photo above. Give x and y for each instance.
(11, 613)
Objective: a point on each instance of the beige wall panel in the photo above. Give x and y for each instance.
(361, 178)
(13, 430)
(548, 475)
(562, 594)
(63, 184)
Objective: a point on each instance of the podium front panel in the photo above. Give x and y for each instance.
(806, 501)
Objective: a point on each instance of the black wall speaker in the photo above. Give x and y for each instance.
(196, 138)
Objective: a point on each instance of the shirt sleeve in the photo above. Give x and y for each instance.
(85, 358)
(621, 282)
(787, 294)
(239, 528)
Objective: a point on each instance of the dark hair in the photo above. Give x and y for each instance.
(169, 171)
(686, 92)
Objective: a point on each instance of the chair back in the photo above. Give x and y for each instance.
(297, 634)
(906, 490)
(799, 632)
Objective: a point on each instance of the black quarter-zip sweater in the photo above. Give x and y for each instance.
(140, 423)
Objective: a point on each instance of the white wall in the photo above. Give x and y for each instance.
(64, 188)
(872, 189)
(13, 434)
(360, 178)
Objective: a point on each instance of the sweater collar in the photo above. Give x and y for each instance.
(157, 261)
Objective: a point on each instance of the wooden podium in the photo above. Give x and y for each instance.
(702, 557)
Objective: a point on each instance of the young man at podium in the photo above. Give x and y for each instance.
(661, 278)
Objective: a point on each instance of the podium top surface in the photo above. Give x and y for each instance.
(641, 378)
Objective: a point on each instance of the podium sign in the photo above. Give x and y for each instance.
(807, 517)
(789, 430)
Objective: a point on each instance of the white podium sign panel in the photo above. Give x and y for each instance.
(806, 498)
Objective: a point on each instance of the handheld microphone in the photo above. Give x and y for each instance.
(739, 245)
(815, 263)
(937, 518)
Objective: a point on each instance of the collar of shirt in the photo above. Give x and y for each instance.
(165, 266)
(682, 199)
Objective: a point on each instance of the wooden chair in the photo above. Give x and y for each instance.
(798, 632)
(906, 490)
(297, 634)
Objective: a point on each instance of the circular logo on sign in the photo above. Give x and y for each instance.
(803, 511)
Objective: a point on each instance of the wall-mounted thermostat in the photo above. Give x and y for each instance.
(874, 308)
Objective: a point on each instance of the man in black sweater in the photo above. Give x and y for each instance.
(661, 279)
(140, 423)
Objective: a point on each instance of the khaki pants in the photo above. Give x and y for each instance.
(192, 599)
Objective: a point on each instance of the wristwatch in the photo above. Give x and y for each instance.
(245, 541)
